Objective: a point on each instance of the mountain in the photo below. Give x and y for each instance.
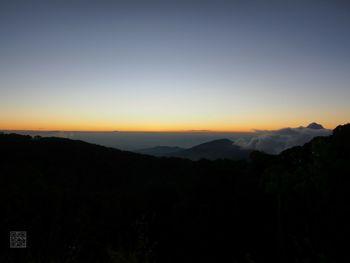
(217, 149)
(160, 150)
(315, 126)
(81, 202)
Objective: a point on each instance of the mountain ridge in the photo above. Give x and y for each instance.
(99, 204)
(315, 126)
(216, 149)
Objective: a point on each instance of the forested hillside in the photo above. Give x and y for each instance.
(81, 202)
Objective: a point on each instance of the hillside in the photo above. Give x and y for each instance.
(218, 149)
(81, 202)
(213, 150)
(160, 151)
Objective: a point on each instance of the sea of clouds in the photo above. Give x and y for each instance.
(276, 141)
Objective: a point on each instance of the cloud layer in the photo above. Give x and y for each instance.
(276, 141)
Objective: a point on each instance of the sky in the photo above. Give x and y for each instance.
(173, 65)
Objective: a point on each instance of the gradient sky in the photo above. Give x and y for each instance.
(173, 65)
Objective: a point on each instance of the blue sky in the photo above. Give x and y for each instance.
(173, 65)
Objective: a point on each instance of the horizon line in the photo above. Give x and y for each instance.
(250, 130)
(133, 131)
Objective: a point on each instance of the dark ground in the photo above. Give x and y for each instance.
(81, 202)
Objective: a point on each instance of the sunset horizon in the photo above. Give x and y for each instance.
(216, 66)
(175, 131)
(247, 130)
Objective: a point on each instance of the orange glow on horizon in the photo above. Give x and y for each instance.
(150, 128)
(172, 123)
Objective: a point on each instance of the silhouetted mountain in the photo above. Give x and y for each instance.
(160, 150)
(217, 149)
(81, 202)
(315, 126)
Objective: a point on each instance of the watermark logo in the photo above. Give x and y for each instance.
(18, 239)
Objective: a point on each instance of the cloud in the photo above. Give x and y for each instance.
(276, 141)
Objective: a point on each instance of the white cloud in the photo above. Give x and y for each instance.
(276, 141)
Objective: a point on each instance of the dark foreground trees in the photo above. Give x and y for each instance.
(80, 202)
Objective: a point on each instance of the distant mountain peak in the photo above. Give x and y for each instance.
(217, 149)
(315, 126)
(212, 150)
(215, 144)
(160, 150)
(220, 141)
